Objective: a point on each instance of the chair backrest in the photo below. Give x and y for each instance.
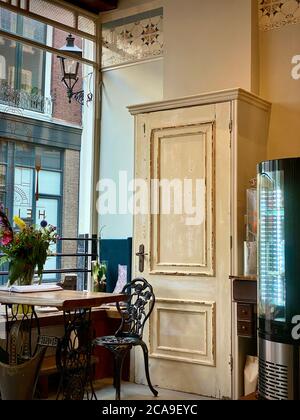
(137, 309)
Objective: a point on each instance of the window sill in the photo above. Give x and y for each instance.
(38, 116)
(19, 112)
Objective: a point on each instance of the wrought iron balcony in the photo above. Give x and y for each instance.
(24, 100)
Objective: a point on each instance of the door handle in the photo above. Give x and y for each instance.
(141, 254)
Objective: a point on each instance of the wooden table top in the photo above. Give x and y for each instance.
(62, 299)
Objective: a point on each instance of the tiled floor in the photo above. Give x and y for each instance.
(129, 391)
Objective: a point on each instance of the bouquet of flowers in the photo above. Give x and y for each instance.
(26, 250)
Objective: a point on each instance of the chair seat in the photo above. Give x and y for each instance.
(116, 341)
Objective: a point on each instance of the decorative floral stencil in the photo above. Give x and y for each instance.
(134, 41)
(277, 13)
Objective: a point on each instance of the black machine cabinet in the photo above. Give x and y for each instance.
(279, 278)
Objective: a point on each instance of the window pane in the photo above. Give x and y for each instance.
(50, 183)
(50, 158)
(7, 70)
(47, 209)
(2, 176)
(23, 193)
(22, 66)
(33, 61)
(34, 30)
(8, 21)
(3, 151)
(2, 184)
(17, 24)
(32, 72)
(24, 155)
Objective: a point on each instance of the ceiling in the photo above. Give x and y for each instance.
(95, 6)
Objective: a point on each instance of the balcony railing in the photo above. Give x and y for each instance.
(23, 100)
(87, 251)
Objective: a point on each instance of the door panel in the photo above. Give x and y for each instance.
(183, 163)
(183, 331)
(188, 264)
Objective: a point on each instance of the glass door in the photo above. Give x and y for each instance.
(272, 282)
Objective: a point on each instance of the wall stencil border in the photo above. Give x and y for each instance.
(133, 39)
(274, 14)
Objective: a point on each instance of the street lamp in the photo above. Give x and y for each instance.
(70, 68)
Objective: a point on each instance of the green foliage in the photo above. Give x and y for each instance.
(27, 252)
(99, 271)
(4, 260)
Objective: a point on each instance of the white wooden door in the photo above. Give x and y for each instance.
(189, 253)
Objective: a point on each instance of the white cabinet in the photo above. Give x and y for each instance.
(216, 139)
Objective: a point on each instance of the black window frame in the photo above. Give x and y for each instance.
(33, 104)
(10, 184)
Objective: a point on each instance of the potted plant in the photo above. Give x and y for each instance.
(26, 250)
(99, 270)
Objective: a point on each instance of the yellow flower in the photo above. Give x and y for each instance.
(19, 222)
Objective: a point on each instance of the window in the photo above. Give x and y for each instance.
(18, 187)
(22, 67)
(49, 185)
(3, 158)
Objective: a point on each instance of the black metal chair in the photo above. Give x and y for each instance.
(134, 314)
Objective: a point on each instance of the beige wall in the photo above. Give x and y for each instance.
(278, 46)
(215, 44)
(208, 46)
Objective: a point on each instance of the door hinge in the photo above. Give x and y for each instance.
(231, 362)
(144, 127)
(230, 126)
(231, 242)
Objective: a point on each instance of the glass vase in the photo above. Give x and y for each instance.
(27, 277)
(21, 273)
